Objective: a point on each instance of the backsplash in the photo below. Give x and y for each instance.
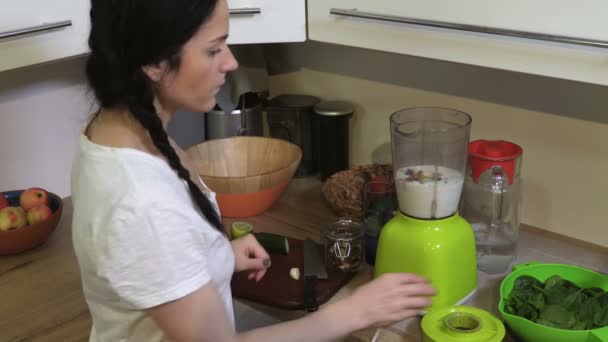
(564, 168)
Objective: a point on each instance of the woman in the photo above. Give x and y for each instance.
(154, 261)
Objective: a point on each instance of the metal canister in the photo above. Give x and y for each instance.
(333, 117)
(291, 117)
(246, 119)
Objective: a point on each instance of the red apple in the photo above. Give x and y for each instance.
(38, 213)
(3, 201)
(33, 197)
(12, 218)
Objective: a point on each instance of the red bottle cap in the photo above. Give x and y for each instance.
(379, 184)
(484, 154)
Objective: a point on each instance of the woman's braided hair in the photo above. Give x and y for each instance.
(129, 34)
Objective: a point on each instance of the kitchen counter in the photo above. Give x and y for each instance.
(41, 295)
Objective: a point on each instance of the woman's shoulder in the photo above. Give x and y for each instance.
(105, 175)
(118, 129)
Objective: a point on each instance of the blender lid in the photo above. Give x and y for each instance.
(462, 324)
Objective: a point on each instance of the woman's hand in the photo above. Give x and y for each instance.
(250, 256)
(390, 298)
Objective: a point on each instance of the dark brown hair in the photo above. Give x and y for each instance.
(129, 34)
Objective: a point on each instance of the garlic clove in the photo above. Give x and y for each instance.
(294, 273)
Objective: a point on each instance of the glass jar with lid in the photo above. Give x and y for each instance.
(343, 245)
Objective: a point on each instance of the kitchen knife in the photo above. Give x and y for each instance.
(314, 269)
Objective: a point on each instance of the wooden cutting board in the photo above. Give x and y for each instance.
(278, 289)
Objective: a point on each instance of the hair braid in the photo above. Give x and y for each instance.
(119, 49)
(143, 110)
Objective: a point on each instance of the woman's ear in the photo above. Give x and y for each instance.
(154, 71)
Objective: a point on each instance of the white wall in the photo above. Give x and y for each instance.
(41, 111)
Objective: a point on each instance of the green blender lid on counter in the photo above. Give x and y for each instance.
(461, 324)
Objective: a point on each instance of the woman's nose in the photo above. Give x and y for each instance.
(230, 63)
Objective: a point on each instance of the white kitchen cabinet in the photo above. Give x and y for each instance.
(57, 29)
(36, 31)
(267, 21)
(456, 31)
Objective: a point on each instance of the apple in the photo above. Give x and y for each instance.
(12, 218)
(3, 201)
(33, 197)
(38, 213)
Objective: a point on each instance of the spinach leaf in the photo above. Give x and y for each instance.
(593, 291)
(559, 316)
(559, 291)
(600, 310)
(558, 303)
(525, 282)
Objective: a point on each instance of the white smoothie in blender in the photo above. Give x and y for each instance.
(428, 191)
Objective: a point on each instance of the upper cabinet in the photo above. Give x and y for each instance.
(267, 21)
(557, 38)
(36, 31)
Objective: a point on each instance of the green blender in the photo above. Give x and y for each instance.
(427, 237)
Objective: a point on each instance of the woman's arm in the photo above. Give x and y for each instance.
(201, 316)
(197, 317)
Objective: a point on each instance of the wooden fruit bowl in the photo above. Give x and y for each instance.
(33, 235)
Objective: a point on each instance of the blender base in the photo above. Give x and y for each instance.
(460, 302)
(442, 251)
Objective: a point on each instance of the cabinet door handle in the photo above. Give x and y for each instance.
(245, 10)
(471, 28)
(35, 29)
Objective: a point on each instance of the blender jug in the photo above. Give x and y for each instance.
(427, 236)
(429, 159)
(491, 201)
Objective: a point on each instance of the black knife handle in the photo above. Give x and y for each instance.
(310, 294)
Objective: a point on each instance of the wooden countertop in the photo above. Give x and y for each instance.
(41, 295)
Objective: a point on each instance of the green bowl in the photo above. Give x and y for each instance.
(529, 331)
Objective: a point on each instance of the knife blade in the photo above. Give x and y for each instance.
(314, 269)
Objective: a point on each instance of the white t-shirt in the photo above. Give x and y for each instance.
(140, 241)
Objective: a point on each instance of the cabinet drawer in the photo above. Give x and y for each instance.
(390, 28)
(267, 21)
(37, 31)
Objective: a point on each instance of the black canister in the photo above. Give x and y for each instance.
(333, 117)
(291, 117)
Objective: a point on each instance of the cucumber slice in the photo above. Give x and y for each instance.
(273, 243)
